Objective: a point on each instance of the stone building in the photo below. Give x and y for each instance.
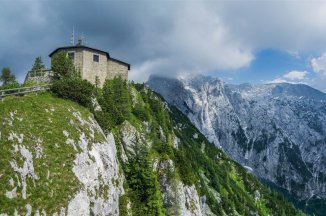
(94, 63)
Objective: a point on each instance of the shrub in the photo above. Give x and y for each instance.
(11, 86)
(76, 90)
(63, 66)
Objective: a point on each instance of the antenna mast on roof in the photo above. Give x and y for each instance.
(72, 38)
(82, 38)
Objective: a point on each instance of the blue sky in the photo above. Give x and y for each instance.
(240, 41)
(268, 65)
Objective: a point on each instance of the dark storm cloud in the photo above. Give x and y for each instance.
(129, 30)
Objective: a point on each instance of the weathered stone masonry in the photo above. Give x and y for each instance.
(95, 63)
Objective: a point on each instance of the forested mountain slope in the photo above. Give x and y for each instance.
(128, 153)
(276, 130)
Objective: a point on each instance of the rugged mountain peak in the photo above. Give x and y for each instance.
(281, 90)
(277, 130)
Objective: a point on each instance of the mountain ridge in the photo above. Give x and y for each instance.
(151, 161)
(279, 136)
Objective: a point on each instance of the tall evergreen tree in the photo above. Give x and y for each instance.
(7, 77)
(121, 96)
(38, 64)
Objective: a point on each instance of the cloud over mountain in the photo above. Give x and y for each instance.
(165, 38)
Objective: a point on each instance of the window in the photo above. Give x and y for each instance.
(96, 58)
(71, 55)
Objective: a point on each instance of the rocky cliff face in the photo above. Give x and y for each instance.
(276, 130)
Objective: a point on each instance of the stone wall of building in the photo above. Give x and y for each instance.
(92, 69)
(78, 58)
(43, 76)
(116, 68)
(103, 69)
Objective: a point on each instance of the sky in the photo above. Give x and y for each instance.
(238, 41)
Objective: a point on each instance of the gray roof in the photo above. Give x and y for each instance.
(88, 48)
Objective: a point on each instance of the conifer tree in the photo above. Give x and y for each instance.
(121, 96)
(7, 77)
(38, 64)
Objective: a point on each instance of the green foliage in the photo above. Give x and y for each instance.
(7, 77)
(184, 167)
(97, 82)
(142, 182)
(18, 85)
(141, 111)
(115, 103)
(11, 86)
(63, 66)
(77, 90)
(146, 196)
(123, 205)
(38, 64)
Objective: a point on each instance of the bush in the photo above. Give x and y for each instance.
(77, 90)
(63, 67)
(11, 86)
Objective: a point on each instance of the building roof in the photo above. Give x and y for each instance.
(121, 62)
(79, 47)
(91, 49)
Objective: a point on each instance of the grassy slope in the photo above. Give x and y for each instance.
(40, 118)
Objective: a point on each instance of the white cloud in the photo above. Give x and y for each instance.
(206, 36)
(295, 54)
(197, 42)
(277, 80)
(319, 82)
(296, 75)
(165, 37)
(319, 67)
(291, 77)
(319, 64)
(286, 25)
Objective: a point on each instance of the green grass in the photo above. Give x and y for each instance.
(41, 118)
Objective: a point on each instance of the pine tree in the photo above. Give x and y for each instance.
(119, 92)
(7, 77)
(143, 182)
(38, 64)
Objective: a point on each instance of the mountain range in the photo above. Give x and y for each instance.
(277, 131)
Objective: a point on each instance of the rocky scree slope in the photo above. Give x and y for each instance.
(276, 130)
(55, 159)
